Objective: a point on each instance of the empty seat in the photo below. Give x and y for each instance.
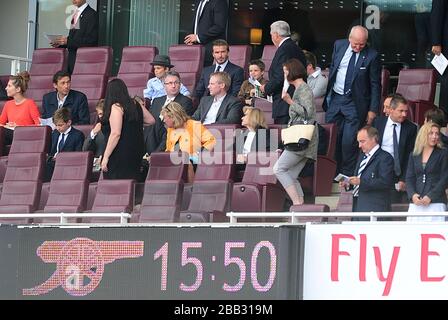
(224, 135)
(31, 139)
(259, 190)
(47, 61)
(93, 60)
(267, 56)
(188, 61)
(210, 196)
(240, 55)
(135, 67)
(22, 184)
(70, 182)
(418, 86)
(163, 188)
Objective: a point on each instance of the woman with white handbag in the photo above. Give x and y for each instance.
(299, 141)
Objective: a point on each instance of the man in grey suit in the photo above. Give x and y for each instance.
(316, 80)
(219, 107)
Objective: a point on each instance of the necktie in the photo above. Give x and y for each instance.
(198, 15)
(167, 101)
(61, 143)
(218, 69)
(349, 74)
(362, 165)
(397, 168)
(75, 17)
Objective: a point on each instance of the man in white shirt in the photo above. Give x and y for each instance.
(219, 107)
(316, 80)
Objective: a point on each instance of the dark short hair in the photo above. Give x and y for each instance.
(173, 74)
(397, 100)
(220, 43)
(310, 58)
(296, 70)
(372, 132)
(62, 114)
(436, 115)
(59, 75)
(260, 64)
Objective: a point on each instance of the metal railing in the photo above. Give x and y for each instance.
(15, 62)
(123, 216)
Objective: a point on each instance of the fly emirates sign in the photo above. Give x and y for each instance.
(376, 261)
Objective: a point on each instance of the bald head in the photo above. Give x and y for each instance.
(358, 38)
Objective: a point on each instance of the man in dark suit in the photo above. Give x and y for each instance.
(210, 23)
(155, 135)
(219, 107)
(83, 32)
(63, 96)
(439, 37)
(353, 93)
(373, 178)
(397, 135)
(64, 138)
(286, 49)
(222, 63)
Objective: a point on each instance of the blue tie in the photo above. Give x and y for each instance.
(61, 143)
(349, 74)
(397, 168)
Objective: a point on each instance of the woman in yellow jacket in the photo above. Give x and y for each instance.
(185, 134)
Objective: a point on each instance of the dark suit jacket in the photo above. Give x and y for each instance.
(76, 101)
(212, 24)
(436, 176)
(235, 72)
(84, 36)
(261, 142)
(408, 133)
(376, 183)
(439, 24)
(73, 142)
(96, 145)
(155, 135)
(366, 84)
(230, 112)
(286, 51)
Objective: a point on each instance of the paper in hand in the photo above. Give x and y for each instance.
(341, 177)
(285, 88)
(52, 37)
(440, 63)
(47, 122)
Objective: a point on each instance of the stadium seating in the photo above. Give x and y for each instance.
(163, 189)
(188, 61)
(240, 55)
(259, 190)
(70, 181)
(210, 197)
(267, 56)
(135, 68)
(22, 184)
(266, 107)
(91, 73)
(418, 86)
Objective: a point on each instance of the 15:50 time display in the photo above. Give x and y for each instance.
(232, 258)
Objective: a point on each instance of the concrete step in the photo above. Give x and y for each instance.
(331, 201)
(335, 188)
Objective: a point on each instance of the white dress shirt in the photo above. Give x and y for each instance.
(248, 143)
(66, 132)
(213, 111)
(387, 144)
(342, 70)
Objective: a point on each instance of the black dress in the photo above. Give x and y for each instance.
(126, 159)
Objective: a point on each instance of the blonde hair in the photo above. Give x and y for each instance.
(21, 80)
(176, 112)
(422, 137)
(255, 117)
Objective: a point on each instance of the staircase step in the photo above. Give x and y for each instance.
(331, 201)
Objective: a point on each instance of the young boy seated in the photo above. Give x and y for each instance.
(248, 89)
(64, 138)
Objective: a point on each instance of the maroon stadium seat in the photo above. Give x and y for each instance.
(418, 86)
(22, 183)
(93, 60)
(259, 190)
(70, 182)
(135, 67)
(188, 61)
(240, 55)
(267, 56)
(266, 107)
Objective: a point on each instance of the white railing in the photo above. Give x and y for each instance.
(123, 216)
(293, 217)
(15, 62)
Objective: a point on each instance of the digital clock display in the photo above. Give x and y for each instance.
(148, 262)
